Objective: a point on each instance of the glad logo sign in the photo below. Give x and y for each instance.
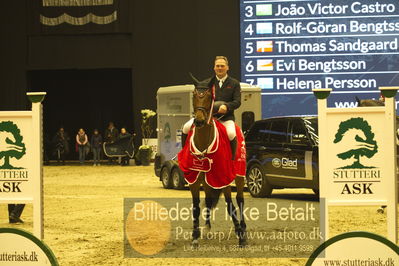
(285, 163)
(276, 162)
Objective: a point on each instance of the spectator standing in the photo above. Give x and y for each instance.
(122, 135)
(81, 141)
(96, 143)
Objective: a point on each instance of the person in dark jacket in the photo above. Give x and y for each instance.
(96, 145)
(61, 145)
(111, 134)
(124, 134)
(227, 99)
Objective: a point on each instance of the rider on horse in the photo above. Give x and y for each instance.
(206, 159)
(227, 99)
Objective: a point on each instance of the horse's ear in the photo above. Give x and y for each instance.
(195, 81)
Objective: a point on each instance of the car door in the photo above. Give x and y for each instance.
(255, 141)
(297, 152)
(277, 137)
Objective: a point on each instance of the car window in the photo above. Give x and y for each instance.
(312, 127)
(278, 131)
(255, 133)
(258, 131)
(297, 134)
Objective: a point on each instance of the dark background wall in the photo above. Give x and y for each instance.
(94, 77)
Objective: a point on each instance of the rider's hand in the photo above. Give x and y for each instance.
(222, 109)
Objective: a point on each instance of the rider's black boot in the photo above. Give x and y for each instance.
(183, 139)
(233, 146)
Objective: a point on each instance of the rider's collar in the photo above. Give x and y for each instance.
(222, 79)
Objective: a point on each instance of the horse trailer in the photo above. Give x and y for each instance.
(174, 109)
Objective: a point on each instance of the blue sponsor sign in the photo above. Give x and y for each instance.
(289, 48)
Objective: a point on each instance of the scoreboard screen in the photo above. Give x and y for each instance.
(290, 47)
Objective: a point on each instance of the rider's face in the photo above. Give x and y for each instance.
(221, 68)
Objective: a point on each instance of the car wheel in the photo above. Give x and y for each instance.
(177, 179)
(165, 177)
(257, 183)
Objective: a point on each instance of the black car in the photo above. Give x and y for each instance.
(282, 152)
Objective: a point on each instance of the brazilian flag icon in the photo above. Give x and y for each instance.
(264, 10)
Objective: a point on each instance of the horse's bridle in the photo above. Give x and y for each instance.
(202, 94)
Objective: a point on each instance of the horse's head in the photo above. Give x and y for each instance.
(202, 101)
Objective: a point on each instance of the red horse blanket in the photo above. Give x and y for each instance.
(220, 171)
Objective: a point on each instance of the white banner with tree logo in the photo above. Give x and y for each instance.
(21, 174)
(357, 157)
(357, 165)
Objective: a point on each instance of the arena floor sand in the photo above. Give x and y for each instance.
(83, 216)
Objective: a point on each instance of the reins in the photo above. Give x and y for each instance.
(209, 113)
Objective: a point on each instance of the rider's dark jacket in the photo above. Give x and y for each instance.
(230, 93)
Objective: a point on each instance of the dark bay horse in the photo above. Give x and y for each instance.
(202, 137)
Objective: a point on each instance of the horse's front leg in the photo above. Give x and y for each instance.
(195, 193)
(211, 199)
(208, 205)
(231, 210)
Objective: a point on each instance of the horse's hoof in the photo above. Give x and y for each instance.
(242, 242)
(380, 210)
(195, 244)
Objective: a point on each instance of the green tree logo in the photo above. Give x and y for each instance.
(11, 144)
(364, 145)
